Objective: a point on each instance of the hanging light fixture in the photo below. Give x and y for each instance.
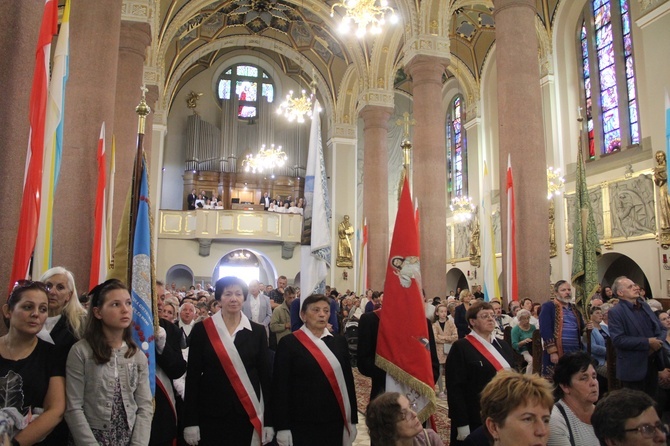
(555, 182)
(265, 159)
(462, 208)
(366, 14)
(298, 108)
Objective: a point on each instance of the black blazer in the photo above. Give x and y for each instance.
(303, 399)
(171, 361)
(467, 373)
(209, 393)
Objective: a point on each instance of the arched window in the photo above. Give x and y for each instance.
(457, 157)
(246, 79)
(608, 77)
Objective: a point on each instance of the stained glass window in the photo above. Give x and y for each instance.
(456, 149)
(246, 79)
(610, 101)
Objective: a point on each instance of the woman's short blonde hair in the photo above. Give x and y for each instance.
(465, 293)
(509, 390)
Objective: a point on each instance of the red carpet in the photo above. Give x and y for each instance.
(441, 417)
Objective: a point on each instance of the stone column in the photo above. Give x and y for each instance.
(375, 190)
(430, 169)
(89, 102)
(521, 134)
(133, 41)
(19, 27)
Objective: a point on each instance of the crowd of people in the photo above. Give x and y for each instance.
(241, 364)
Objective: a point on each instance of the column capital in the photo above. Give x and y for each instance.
(375, 97)
(425, 45)
(137, 10)
(343, 131)
(425, 68)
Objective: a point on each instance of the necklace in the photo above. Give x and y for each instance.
(23, 353)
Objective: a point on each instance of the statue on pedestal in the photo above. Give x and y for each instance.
(345, 257)
(663, 200)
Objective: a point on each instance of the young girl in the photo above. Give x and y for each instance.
(445, 334)
(107, 381)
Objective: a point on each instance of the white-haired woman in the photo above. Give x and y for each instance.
(66, 318)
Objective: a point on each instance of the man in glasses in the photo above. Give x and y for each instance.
(628, 417)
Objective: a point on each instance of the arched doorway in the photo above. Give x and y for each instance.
(456, 280)
(181, 275)
(247, 264)
(614, 264)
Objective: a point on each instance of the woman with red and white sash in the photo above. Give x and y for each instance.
(314, 400)
(228, 376)
(472, 362)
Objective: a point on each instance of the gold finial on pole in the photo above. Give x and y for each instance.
(142, 110)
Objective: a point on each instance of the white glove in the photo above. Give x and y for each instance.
(268, 434)
(161, 337)
(463, 432)
(353, 432)
(284, 438)
(192, 435)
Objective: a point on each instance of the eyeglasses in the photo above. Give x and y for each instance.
(486, 316)
(649, 430)
(409, 414)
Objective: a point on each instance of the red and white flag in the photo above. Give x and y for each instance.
(403, 349)
(99, 257)
(32, 183)
(511, 284)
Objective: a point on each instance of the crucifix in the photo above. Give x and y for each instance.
(405, 123)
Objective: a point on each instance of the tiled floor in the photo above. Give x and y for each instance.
(363, 439)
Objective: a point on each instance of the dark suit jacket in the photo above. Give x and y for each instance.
(459, 320)
(303, 399)
(631, 340)
(191, 201)
(368, 328)
(210, 396)
(171, 361)
(467, 373)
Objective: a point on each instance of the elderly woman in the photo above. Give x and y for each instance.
(228, 375)
(516, 410)
(33, 376)
(471, 365)
(392, 421)
(65, 323)
(314, 397)
(576, 393)
(522, 338)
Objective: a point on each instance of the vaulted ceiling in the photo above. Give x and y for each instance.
(194, 34)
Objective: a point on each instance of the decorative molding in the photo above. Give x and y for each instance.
(137, 11)
(345, 131)
(380, 98)
(652, 10)
(287, 249)
(427, 45)
(205, 246)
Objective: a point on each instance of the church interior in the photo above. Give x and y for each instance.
(466, 86)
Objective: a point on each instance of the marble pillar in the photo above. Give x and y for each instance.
(521, 134)
(133, 41)
(375, 193)
(19, 27)
(430, 169)
(89, 102)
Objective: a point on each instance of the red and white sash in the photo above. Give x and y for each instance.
(164, 384)
(488, 351)
(234, 367)
(332, 369)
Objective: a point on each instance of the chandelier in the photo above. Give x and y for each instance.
(555, 182)
(296, 109)
(462, 208)
(366, 14)
(265, 159)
